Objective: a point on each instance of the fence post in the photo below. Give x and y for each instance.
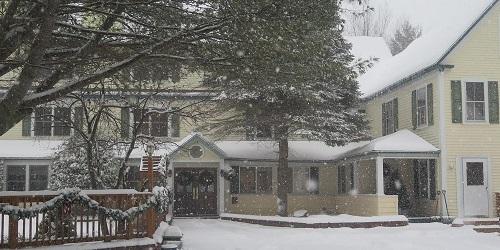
(150, 218)
(13, 227)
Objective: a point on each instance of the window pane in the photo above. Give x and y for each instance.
(62, 116)
(43, 121)
(423, 178)
(16, 178)
(478, 91)
(479, 111)
(175, 125)
(138, 115)
(39, 176)
(341, 178)
(470, 111)
(470, 91)
(133, 177)
(475, 175)
(235, 185)
(247, 179)
(264, 180)
(159, 124)
(421, 97)
(300, 180)
(313, 186)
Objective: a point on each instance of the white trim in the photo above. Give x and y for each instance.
(464, 102)
(442, 139)
(379, 170)
(221, 195)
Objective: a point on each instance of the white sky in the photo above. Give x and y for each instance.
(429, 13)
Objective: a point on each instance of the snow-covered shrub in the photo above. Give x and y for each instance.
(70, 167)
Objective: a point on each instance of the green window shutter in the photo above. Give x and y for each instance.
(384, 115)
(430, 105)
(493, 101)
(395, 113)
(27, 125)
(414, 109)
(456, 101)
(125, 123)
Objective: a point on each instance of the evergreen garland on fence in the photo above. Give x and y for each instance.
(160, 200)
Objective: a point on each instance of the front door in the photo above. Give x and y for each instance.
(195, 192)
(475, 187)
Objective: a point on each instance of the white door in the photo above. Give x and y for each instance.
(475, 187)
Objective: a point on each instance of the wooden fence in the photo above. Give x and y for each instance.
(74, 222)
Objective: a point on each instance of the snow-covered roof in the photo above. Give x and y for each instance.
(297, 150)
(423, 54)
(368, 47)
(199, 138)
(403, 141)
(28, 149)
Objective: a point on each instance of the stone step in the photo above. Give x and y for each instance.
(481, 221)
(475, 222)
(487, 229)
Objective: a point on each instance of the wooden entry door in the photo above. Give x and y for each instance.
(195, 192)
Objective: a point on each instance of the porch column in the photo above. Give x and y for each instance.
(380, 175)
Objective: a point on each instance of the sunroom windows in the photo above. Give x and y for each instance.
(26, 177)
(252, 180)
(305, 180)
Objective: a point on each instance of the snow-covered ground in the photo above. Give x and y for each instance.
(208, 234)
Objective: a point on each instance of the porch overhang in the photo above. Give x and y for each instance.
(403, 144)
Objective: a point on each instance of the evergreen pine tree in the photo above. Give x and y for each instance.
(289, 74)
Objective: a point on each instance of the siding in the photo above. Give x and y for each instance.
(476, 58)
(374, 109)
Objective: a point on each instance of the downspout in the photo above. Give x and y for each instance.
(442, 140)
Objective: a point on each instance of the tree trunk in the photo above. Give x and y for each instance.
(90, 166)
(283, 178)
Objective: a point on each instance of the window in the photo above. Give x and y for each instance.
(196, 151)
(49, 121)
(422, 107)
(39, 176)
(27, 177)
(251, 180)
(134, 177)
(475, 103)
(425, 178)
(475, 174)
(306, 180)
(16, 178)
(156, 123)
(389, 117)
(345, 176)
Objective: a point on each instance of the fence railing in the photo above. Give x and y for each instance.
(70, 222)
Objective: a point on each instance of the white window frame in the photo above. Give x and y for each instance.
(52, 113)
(426, 111)
(486, 102)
